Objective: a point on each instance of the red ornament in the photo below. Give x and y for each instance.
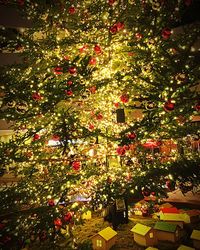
(169, 106)
(188, 2)
(124, 98)
(97, 49)
(2, 226)
(93, 89)
(132, 136)
(111, 2)
(197, 106)
(138, 36)
(51, 202)
(92, 61)
(21, 2)
(72, 10)
(116, 104)
(166, 33)
(91, 126)
(83, 48)
(56, 137)
(120, 26)
(69, 83)
(68, 216)
(76, 165)
(116, 27)
(151, 144)
(58, 70)
(72, 70)
(58, 222)
(36, 96)
(69, 92)
(121, 150)
(66, 58)
(99, 116)
(36, 137)
(113, 29)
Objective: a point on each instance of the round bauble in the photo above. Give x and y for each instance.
(169, 106)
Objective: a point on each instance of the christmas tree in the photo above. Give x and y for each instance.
(102, 106)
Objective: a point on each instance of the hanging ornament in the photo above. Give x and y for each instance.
(92, 61)
(11, 104)
(91, 126)
(36, 96)
(21, 107)
(69, 92)
(138, 36)
(156, 4)
(93, 89)
(166, 33)
(116, 27)
(69, 83)
(111, 2)
(116, 104)
(51, 202)
(83, 49)
(150, 105)
(36, 137)
(121, 151)
(169, 105)
(58, 70)
(68, 216)
(72, 70)
(97, 49)
(92, 152)
(197, 106)
(76, 165)
(181, 78)
(72, 10)
(188, 2)
(58, 222)
(124, 98)
(131, 135)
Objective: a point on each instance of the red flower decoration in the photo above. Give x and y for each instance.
(93, 89)
(51, 203)
(121, 150)
(124, 98)
(36, 96)
(92, 61)
(69, 92)
(166, 33)
(116, 104)
(132, 136)
(97, 49)
(76, 165)
(72, 70)
(36, 137)
(58, 70)
(169, 106)
(151, 144)
(68, 216)
(72, 10)
(58, 222)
